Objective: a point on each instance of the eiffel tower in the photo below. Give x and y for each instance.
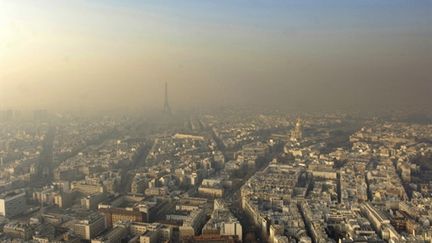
(167, 109)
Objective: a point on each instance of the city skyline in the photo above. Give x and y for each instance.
(216, 121)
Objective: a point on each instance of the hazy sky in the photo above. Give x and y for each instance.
(106, 53)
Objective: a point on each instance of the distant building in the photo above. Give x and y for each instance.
(193, 223)
(92, 201)
(18, 230)
(223, 222)
(114, 215)
(115, 235)
(212, 239)
(211, 188)
(297, 132)
(12, 203)
(90, 227)
(64, 199)
(149, 237)
(190, 204)
(151, 232)
(86, 188)
(45, 195)
(188, 136)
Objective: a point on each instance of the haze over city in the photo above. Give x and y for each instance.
(215, 121)
(118, 54)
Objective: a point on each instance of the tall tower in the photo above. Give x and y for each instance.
(167, 108)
